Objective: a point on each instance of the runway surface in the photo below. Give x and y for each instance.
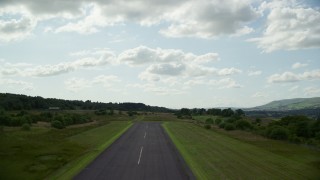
(144, 152)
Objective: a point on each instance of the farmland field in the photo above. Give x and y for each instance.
(46, 152)
(212, 154)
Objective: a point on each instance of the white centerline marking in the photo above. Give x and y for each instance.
(140, 155)
(145, 134)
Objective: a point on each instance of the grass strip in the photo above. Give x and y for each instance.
(73, 168)
(212, 155)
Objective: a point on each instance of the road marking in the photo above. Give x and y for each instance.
(145, 134)
(140, 155)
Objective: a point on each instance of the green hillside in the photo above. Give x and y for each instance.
(291, 104)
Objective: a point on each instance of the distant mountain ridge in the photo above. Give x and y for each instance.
(290, 104)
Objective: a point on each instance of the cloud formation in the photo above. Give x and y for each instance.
(292, 77)
(209, 19)
(202, 19)
(18, 24)
(25, 86)
(86, 60)
(78, 84)
(289, 26)
(298, 65)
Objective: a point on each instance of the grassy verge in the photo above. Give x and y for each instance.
(37, 153)
(213, 155)
(97, 140)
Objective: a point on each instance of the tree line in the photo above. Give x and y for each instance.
(228, 112)
(57, 120)
(22, 102)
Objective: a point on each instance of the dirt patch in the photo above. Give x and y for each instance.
(83, 125)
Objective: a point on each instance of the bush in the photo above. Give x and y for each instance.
(278, 132)
(231, 120)
(207, 126)
(209, 121)
(229, 127)
(295, 139)
(26, 127)
(243, 125)
(57, 124)
(217, 121)
(258, 120)
(222, 124)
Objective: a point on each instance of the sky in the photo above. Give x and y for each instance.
(181, 53)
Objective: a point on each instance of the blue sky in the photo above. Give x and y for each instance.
(184, 53)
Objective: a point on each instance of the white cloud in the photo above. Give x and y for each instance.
(289, 26)
(16, 24)
(138, 56)
(204, 18)
(61, 68)
(150, 87)
(254, 73)
(259, 95)
(292, 77)
(88, 24)
(284, 77)
(170, 69)
(206, 58)
(25, 86)
(172, 62)
(312, 91)
(298, 65)
(78, 84)
(106, 81)
(228, 71)
(144, 55)
(209, 19)
(225, 83)
(293, 88)
(98, 57)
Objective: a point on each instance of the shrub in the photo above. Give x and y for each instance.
(231, 120)
(242, 124)
(209, 121)
(278, 132)
(229, 127)
(258, 120)
(217, 121)
(207, 126)
(26, 127)
(57, 124)
(222, 124)
(295, 139)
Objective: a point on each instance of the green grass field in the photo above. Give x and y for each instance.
(214, 155)
(53, 154)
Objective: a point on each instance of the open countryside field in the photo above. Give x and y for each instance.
(211, 154)
(50, 153)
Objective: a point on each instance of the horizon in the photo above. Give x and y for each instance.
(162, 53)
(232, 107)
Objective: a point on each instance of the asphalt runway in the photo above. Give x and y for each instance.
(144, 152)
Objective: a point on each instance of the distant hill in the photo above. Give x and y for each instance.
(290, 104)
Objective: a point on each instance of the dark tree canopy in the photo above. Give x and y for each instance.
(23, 102)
